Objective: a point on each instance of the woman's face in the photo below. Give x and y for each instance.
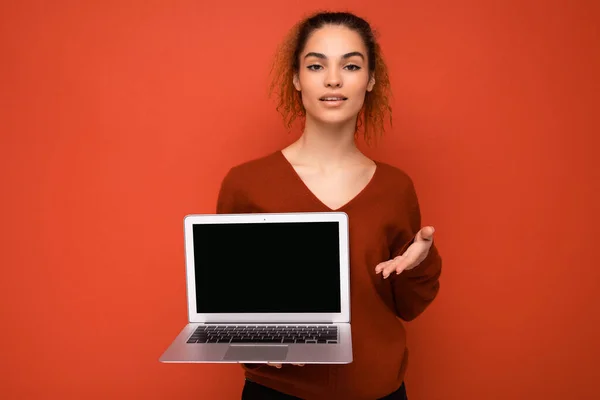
(333, 77)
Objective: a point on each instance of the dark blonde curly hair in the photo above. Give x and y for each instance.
(286, 63)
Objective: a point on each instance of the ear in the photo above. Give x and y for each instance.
(296, 82)
(371, 83)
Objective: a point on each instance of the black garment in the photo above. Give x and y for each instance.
(255, 391)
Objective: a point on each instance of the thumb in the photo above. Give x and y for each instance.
(426, 233)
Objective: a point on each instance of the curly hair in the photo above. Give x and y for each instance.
(286, 62)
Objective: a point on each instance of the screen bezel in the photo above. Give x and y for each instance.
(340, 217)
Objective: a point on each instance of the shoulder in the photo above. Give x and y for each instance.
(259, 163)
(395, 178)
(397, 194)
(252, 168)
(251, 173)
(243, 183)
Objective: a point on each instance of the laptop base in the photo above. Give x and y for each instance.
(180, 351)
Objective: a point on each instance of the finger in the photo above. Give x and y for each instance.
(300, 365)
(389, 267)
(274, 365)
(406, 264)
(403, 263)
(382, 266)
(393, 266)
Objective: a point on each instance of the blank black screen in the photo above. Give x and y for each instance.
(267, 267)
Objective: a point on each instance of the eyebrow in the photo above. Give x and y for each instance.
(345, 56)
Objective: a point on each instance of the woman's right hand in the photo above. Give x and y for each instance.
(279, 365)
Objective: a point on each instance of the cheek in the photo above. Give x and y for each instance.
(358, 84)
(310, 94)
(310, 84)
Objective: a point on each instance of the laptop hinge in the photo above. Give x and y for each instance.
(267, 323)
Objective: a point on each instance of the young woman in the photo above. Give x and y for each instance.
(330, 72)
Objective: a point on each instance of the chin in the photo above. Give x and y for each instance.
(334, 118)
(338, 121)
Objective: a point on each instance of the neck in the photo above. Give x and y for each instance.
(327, 145)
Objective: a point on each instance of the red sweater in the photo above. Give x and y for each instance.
(383, 220)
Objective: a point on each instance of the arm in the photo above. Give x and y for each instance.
(229, 198)
(413, 290)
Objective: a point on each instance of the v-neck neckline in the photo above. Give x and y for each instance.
(297, 177)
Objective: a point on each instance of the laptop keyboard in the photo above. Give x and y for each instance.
(265, 334)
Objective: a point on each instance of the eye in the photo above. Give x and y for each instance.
(314, 67)
(352, 67)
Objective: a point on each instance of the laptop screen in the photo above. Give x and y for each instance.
(274, 267)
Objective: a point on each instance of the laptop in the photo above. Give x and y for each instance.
(266, 287)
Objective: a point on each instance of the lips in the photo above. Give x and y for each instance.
(333, 97)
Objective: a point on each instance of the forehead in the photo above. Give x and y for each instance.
(334, 41)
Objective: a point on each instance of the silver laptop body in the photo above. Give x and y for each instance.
(266, 288)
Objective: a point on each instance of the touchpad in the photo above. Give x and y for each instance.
(256, 353)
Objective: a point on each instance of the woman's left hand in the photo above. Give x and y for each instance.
(414, 255)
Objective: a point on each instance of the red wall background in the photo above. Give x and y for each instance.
(118, 118)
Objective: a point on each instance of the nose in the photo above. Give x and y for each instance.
(333, 78)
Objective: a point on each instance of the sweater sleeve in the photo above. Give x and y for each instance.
(229, 199)
(415, 289)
